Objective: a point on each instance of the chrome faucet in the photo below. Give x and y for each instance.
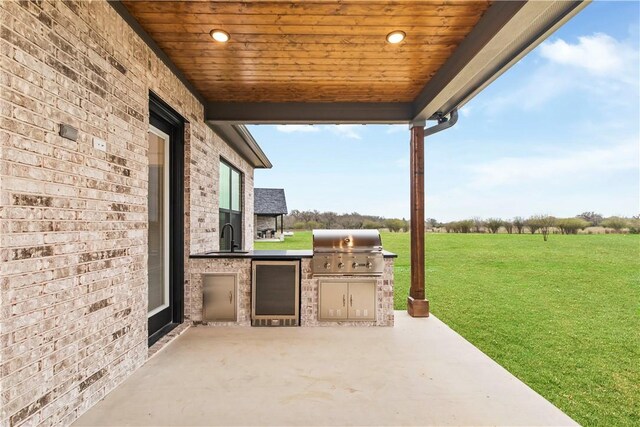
(233, 242)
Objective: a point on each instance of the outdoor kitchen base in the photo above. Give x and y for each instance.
(309, 298)
(203, 265)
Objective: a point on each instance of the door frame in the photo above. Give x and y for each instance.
(167, 120)
(166, 207)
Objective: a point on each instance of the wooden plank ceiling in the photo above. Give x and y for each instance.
(308, 51)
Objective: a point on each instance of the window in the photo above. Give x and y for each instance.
(230, 204)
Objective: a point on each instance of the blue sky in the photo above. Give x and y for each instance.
(556, 134)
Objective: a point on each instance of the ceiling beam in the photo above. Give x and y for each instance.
(506, 33)
(309, 112)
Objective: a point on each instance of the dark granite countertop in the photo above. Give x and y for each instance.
(268, 254)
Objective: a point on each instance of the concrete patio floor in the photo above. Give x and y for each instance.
(419, 372)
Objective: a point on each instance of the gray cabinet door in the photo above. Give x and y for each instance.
(362, 300)
(332, 300)
(219, 297)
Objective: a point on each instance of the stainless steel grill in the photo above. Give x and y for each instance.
(347, 252)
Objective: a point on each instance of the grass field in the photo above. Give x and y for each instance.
(563, 315)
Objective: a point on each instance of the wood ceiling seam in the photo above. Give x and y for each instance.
(305, 38)
(337, 31)
(324, 8)
(301, 20)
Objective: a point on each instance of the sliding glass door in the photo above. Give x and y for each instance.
(158, 237)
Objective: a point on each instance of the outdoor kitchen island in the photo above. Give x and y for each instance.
(235, 269)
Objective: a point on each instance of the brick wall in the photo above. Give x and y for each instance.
(73, 284)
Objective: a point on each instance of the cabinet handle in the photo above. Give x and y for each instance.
(230, 297)
(344, 300)
(351, 300)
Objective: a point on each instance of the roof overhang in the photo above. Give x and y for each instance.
(240, 139)
(505, 32)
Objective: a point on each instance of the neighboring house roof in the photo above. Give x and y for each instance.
(269, 201)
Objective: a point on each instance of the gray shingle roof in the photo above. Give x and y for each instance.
(269, 201)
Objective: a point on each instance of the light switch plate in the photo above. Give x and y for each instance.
(99, 144)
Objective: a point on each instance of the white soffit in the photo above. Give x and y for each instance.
(493, 59)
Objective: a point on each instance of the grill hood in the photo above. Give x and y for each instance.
(347, 241)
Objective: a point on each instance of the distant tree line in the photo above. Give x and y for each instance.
(309, 220)
(542, 224)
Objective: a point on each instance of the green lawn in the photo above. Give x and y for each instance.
(563, 315)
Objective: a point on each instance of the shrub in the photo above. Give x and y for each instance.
(314, 225)
(544, 223)
(508, 225)
(432, 223)
(452, 227)
(547, 223)
(494, 224)
(466, 225)
(594, 218)
(395, 225)
(571, 225)
(371, 225)
(519, 223)
(615, 222)
(533, 224)
(459, 226)
(477, 224)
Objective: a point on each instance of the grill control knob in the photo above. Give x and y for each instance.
(341, 265)
(327, 265)
(355, 265)
(369, 265)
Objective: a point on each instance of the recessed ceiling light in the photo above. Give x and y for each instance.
(396, 36)
(220, 36)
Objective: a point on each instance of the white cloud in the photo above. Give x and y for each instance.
(297, 128)
(598, 65)
(346, 131)
(599, 54)
(466, 110)
(543, 85)
(397, 128)
(403, 162)
(563, 165)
